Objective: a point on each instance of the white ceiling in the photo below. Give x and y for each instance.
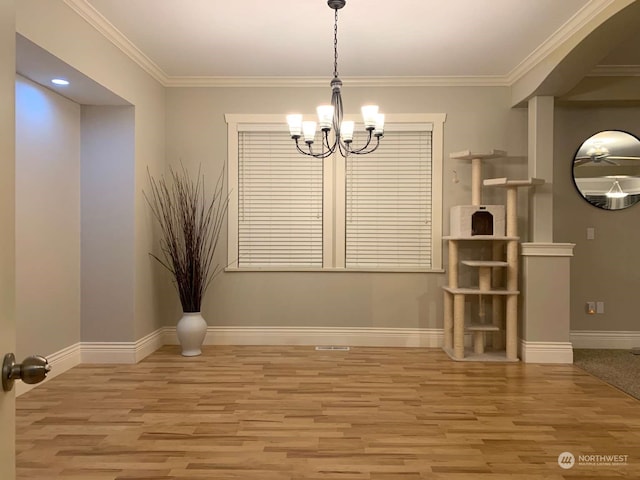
(425, 38)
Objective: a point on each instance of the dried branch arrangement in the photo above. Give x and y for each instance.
(190, 225)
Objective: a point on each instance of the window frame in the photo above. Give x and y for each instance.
(334, 235)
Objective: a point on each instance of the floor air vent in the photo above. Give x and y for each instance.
(334, 348)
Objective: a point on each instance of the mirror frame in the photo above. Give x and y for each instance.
(609, 176)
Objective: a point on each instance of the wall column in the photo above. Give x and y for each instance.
(540, 149)
(545, 265)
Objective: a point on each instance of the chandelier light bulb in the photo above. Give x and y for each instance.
(295, 125)
(309, 131)
(325, 117)
(346, 131)
(369, 113)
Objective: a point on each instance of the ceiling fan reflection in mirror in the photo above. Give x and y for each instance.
(609, 147)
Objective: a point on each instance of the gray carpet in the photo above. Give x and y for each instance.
(619, 368)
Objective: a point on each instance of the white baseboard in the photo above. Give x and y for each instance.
(605, 339)
(60, 362)
(357, 337)
(546, 352)
(133, 352)
(122, 352)
(148, 344)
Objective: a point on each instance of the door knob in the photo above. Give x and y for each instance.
(32, 370)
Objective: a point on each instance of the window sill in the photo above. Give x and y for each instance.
(327, 270)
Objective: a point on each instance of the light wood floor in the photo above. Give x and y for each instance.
(284, 413)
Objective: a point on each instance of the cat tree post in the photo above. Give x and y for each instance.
(476, 181)
(511, 309)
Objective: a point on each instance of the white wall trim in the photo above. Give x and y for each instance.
(94, 18)
(371, 337)
(85, 10)
(539, 249)
(108, 352)
(546, 352)
(571, 27)
(605, 339)
(353, 82)
(148, 344)
(121, 352)
(60, 362)
(133, 352)
(615, 71)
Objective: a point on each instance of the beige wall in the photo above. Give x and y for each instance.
(55, 27)
(47, 220)
(606, 268)
(7, 239)
(107, 184)
(478, 119)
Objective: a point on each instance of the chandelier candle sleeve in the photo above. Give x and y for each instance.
(330, 117)
(309, 131)
(346, 131)
(378, 131)
(295, 125)
(325, 117)
(369, 113)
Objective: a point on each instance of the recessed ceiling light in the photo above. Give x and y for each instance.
(60, 81)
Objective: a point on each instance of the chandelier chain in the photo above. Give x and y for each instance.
(335, 46)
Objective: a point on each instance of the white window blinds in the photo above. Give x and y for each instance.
(279, 203)
(389, 203)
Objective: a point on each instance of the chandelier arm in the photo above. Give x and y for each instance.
(343, 148)
(373, 149)
(331, 148)
(310, 153)
(300, 150)
(361, 150)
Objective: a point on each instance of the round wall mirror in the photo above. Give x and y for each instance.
(606, 170)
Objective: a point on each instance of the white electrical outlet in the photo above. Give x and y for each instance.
(590, 308)
(599, 307)
(591, 233)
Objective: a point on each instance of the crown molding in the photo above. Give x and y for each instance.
(117, 38)
(581, 18)
(615, 71)
(360, 82)
(85, 10)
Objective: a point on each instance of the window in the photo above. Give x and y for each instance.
(279, 203)
(376, 212)
(388, 203)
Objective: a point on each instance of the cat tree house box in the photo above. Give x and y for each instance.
(471, 220)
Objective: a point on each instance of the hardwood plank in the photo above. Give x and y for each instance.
(288, 413)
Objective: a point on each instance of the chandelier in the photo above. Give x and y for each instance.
(331, 117)
(616, 191)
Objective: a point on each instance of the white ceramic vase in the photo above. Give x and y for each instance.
(191, 330)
